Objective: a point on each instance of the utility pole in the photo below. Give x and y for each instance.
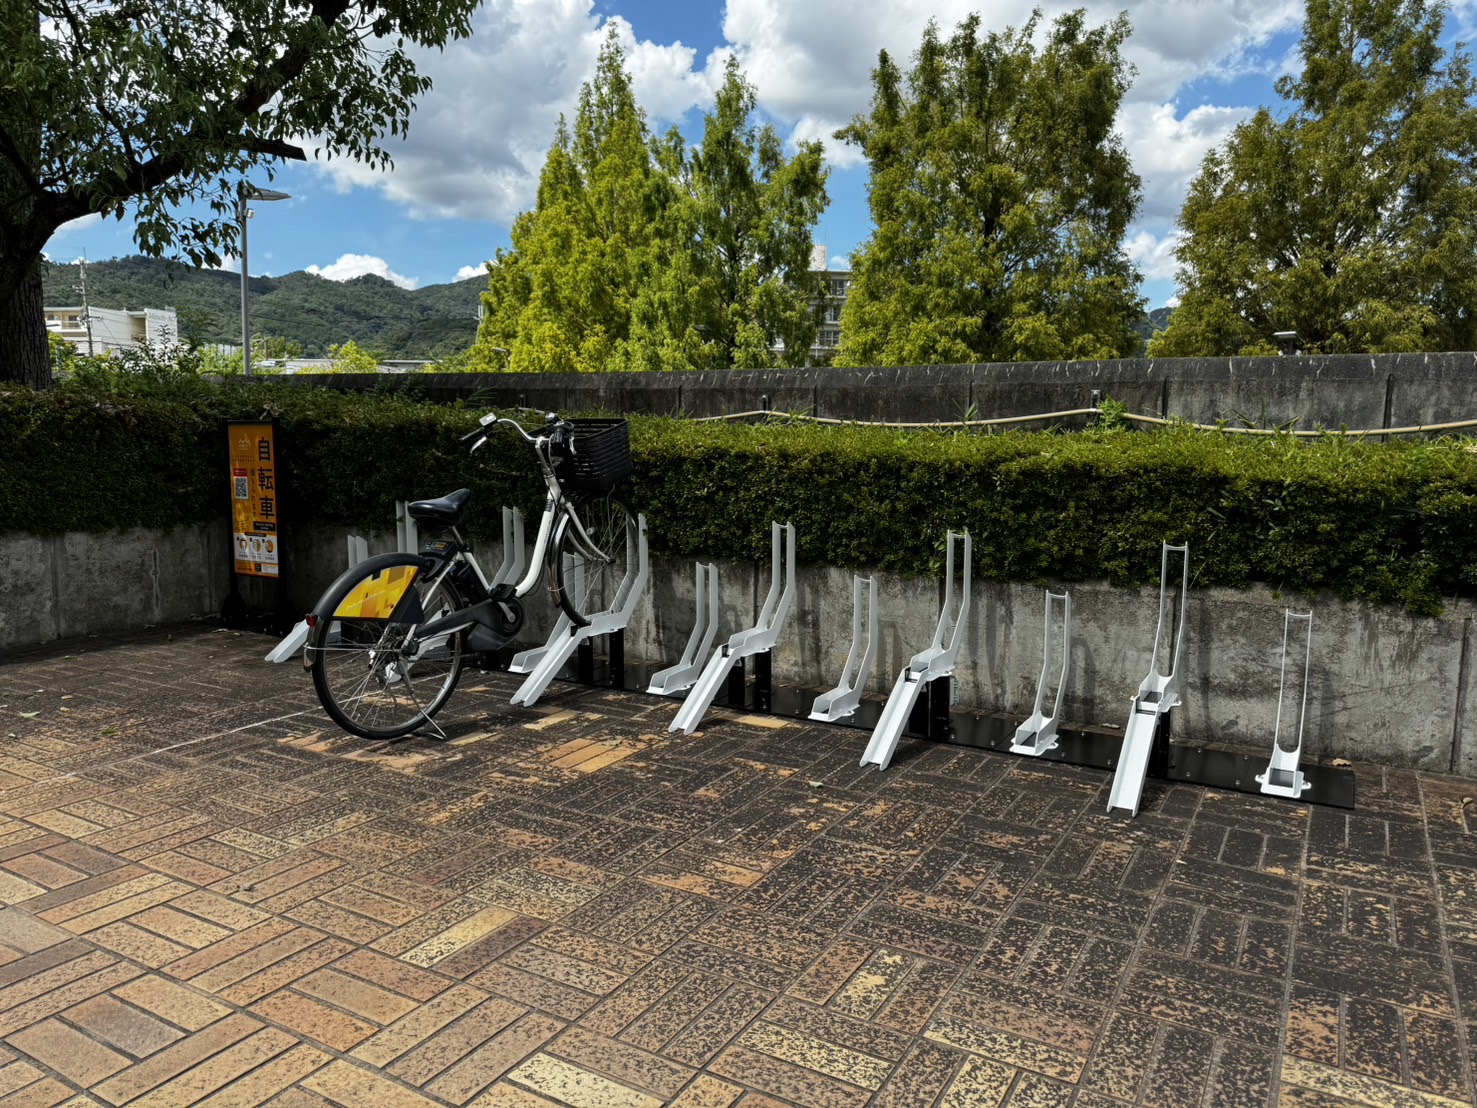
(86, 311)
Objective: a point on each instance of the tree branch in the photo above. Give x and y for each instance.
(21, 166)
(96, 195)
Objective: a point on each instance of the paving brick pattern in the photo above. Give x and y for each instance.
(210, 896)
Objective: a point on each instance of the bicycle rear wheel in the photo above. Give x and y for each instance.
(586, 585)
(367, 681)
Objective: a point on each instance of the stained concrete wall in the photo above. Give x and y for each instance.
(84, 584)
(1384, 687)
(1354, 391)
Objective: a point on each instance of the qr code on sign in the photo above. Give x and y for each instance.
(243, 488)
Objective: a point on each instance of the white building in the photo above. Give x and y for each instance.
(100, 330)
(835, 284)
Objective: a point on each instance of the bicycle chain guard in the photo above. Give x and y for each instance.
(499, 618)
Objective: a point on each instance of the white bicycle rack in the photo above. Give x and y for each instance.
(675, 679)
(566, 638)
(756, 640)
(514, 555)
(844, 699)
(929, 665)
(1282, 776)
(407, 535)
(1157, 694)
(1038, 734)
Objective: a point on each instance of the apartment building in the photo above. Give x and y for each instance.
(101, 330)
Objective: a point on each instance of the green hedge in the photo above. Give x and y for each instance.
(1392, 523)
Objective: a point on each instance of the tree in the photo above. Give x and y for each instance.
(140, 106)
(560, 300)
(736, 290)
(1000, 193)
(1353, 221)
(349, 357)
(645, 255)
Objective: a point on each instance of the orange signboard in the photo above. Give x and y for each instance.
(255, 524)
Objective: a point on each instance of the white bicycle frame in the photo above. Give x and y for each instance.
(557, 507)
(556, 504)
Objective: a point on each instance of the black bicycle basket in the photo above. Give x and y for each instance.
(601, 455)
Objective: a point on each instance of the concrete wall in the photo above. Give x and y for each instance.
(83, 584)
(1384, 686)
(1353, 391)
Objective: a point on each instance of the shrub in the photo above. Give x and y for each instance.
(1390, 523)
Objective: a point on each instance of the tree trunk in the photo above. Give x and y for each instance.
(25, 355)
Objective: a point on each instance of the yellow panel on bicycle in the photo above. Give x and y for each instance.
(375, 597)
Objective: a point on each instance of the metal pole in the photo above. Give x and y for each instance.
(243, 213)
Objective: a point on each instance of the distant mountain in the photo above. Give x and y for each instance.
(1153, 322)
(431, 322)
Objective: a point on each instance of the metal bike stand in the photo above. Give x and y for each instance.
(407, 535)
(675, 679)
(1038, 734)
(1158, 693)
(926, 667)
(843, 700)
(526, 661)
(514, 557)
(297, 638)
(757, 640)
(1282, 776)
(566, 640)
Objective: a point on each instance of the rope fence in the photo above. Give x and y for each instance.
(935, 425)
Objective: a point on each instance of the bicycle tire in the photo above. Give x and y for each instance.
(584, 589)
(363, 679)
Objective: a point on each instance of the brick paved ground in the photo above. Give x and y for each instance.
(209, 896)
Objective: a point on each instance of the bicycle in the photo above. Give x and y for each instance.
(387, 641)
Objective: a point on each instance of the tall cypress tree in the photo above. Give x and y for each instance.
(1353, 220)
(735, 288)
(560, 300)
(1000, 192)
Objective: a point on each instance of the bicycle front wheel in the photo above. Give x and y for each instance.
(367, 679)
(588, 581)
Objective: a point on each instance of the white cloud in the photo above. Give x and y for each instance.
(350, 266)
(812, 62)
(469, 271)
(82, 223)
(1167, 149)
(1153, 254)
(477, 141)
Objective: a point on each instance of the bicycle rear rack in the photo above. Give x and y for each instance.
(407, 541)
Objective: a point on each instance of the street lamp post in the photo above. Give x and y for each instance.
(245, 193)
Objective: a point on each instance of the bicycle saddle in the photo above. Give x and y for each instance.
(444, 511)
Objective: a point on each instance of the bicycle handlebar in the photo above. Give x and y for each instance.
(559, 430)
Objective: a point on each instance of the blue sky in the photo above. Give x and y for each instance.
(477, 141)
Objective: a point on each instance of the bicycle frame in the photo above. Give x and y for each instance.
(557, 508)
